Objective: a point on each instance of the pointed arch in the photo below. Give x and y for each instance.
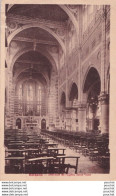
(24, 27)
(91, 77)
(66, 10)
(63, 99)
(73, 93)
(41, 51)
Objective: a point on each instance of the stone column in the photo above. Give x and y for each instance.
(53, 100)
(80, 56)
(10, 103)
(103, 50)
(56, 102)
(82, 117)
(12, 94)
(104, 119)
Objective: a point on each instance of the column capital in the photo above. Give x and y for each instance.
(81, 107)
(104, 98)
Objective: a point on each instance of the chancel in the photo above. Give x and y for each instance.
(57, 88)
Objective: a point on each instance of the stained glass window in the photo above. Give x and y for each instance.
(30, 98)
(20, 92)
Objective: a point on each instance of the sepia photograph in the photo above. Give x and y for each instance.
(57, 90)
(57, 81)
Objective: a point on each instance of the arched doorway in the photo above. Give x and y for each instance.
(18, 123)
(92, 89)
(43, 124)
(73, 98)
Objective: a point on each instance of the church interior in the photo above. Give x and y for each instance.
(57, 83)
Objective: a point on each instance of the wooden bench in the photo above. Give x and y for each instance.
(61, 160)
(39, 165)
(15, 164)
(56, 151)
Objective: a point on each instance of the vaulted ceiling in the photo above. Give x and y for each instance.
(33, 56)
(37, 34)
(32, 64)
(47, 12)
(47, 35)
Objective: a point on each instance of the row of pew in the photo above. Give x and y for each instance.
(31, 152)
(91, 144)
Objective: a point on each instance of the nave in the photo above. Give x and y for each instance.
(55, 152)
(57, 89)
